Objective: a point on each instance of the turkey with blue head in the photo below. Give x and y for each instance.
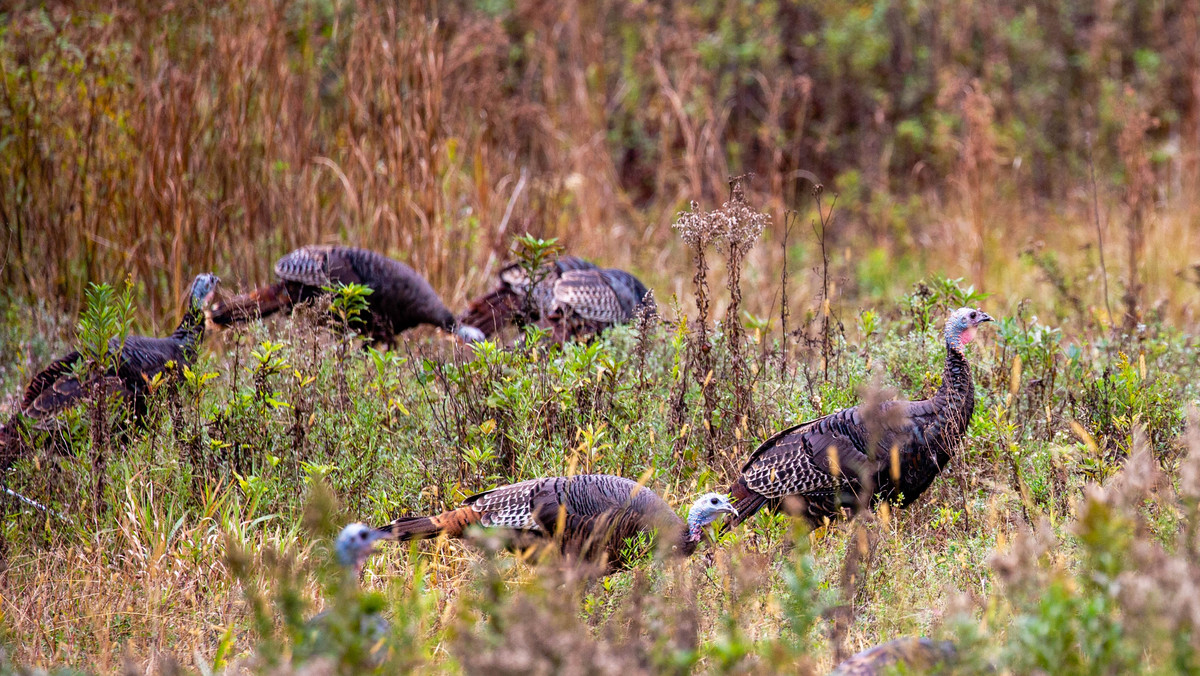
(591, 518)
(353, 630)
(139, 360)
(858, 456)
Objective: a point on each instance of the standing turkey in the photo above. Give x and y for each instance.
(903, 655)
(589, 517)
(819, 467)
(56, 388)
(400, 298)
(572, 297)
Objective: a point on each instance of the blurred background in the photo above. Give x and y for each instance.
(1001, 143)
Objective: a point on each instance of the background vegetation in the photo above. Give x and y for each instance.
(1043, 155)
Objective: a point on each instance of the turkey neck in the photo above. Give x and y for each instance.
(691, 540)
(956, 401)
(191, 328)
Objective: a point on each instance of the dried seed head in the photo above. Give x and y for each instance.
(735, 223)
(695, 227)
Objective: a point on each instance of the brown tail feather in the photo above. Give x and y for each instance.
(58, 397)
(745, 500)
(47, 378)
(261, 302)
(492, 312)
(451, 524)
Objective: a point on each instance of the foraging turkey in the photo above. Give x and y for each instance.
(572, 297)
(400, 297)
(354, 629)
(817, 468)
(56, 388)
(914, 655)
(513, 301)
(592, 514)
(588, 301)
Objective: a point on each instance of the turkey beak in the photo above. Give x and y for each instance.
(985, 317)
(369, 549)
(730, 509)
(375, 536)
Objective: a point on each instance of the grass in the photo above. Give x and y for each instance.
(150, 145)
(252, 464)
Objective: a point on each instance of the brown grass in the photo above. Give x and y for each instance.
(163, 141)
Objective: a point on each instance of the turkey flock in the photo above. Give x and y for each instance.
(820, 470)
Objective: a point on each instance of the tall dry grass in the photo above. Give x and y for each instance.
(159, 140)
(163, 140)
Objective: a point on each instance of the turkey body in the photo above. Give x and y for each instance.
(516, 299)
(140, 360)
(571, 297)
(857, 457)
(589, 516)
(586, 302)
(400, 299)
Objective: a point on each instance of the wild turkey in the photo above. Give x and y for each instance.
(353, 629)
(817, 468)
(589, 517)
(912, 655)
(572, 297)
(400, 298)
(56, 388)
(516, 299)
(586, 302)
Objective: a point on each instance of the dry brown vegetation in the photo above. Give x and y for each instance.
(159, 140)
(1047, 154)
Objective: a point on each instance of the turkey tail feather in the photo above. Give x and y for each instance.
(451, 524)
(748, 502)
(47, 377)
(258, 303)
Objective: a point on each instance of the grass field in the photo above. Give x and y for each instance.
(1039, 163)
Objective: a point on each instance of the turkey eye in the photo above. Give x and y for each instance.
(714, 501)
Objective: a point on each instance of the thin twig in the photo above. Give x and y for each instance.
(36, 504)
(1099, 230)
(789, 220)
(826, 304)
